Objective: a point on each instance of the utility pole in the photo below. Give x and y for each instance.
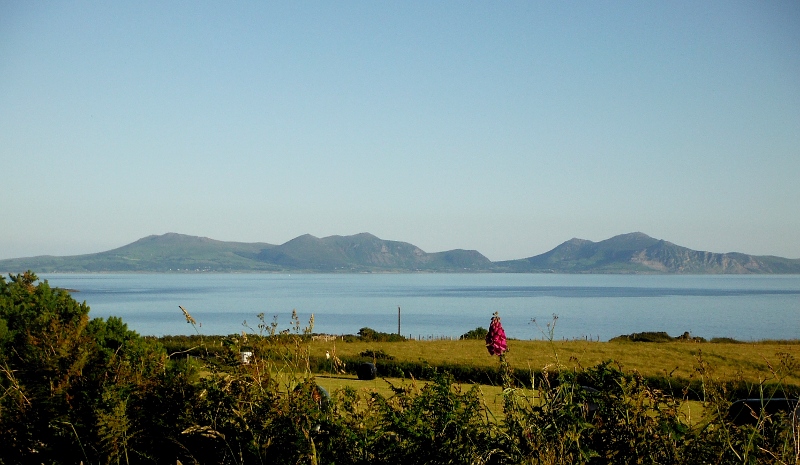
(398, 321)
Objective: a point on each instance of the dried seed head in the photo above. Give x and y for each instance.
(189, 318)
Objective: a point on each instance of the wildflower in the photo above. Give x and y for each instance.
(496, 337)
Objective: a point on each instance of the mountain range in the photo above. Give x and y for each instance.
(171, 252)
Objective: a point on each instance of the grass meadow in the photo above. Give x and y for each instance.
(754, 364)
(749, 362)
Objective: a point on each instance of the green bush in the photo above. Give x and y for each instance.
(725, 340)
(478, 333)
(72, 386)
(659, 336)
(376, 355)
(369, 334)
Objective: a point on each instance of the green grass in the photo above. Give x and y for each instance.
(748, 362)
(492, 396)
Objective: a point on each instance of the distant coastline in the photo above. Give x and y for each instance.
(632, 253)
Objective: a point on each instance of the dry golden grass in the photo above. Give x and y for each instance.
(751, 362)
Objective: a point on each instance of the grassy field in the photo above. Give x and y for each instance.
(763, 362)
(491, 395)
(751, 362)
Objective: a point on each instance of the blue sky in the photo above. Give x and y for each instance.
(505, 127)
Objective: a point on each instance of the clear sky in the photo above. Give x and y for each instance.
(505, 127)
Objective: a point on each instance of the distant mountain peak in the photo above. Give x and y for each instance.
(635, 234)
(637, 252)
(577, 241)
(304, 237)
(634, 252)
(364, 235)
(174, 236)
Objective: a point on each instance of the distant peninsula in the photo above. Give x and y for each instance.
(364, 253)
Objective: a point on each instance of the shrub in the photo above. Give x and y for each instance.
(376, 354)
(44, 352)
(660, 336)
(77, 389)
(478, 333)
(725, 340)
(369, 334)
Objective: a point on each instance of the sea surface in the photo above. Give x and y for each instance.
(596, 307)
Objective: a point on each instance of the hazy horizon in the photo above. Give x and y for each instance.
(506, 128)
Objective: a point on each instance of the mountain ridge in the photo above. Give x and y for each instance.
(622, 254)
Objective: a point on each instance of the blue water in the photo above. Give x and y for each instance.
(587, 306)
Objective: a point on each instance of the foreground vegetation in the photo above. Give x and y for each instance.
(742, 368)
(78, 390)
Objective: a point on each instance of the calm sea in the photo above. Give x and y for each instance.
(587, 306)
